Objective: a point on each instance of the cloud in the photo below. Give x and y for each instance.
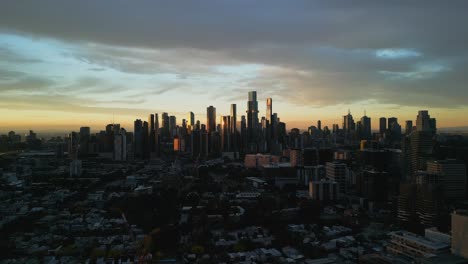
(306, 53)
(396, 53)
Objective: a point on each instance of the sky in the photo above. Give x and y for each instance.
(66, 64)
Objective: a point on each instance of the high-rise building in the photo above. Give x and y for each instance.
(165, 125)
(423, 121)
(408, 127)
(452, 174)
(172, 126)
(382, 125)
(138, 139)
(366, 127)
(151, 132)
(252, 121)
(348, 123)
(391, 122)
(319, 125)
(225, 133)
(337, 172)
(211, 119)
(145, 141)
(269, 109)
(120, 145)
(233, 119)
(191, 119)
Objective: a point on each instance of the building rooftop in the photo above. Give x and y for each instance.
(435, 245)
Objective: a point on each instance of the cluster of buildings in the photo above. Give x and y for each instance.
(241, 190)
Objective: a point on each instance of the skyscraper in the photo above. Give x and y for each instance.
(172, 126)
(382, 125)
(225, 133)
(233, 118)
(211, 119)
(348, 123)
(269, 109)
(423, 121)
(191, 120)
(366, 127)
(165, 125)
(120, 145)
(138, 138)
(408, 127)
(151, 132)
(234, 127)
(252, 121)
(391, 122)
(319, 125)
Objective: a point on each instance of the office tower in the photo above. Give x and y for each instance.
(319, 125)
(172, 126)
(195, 143)
(138, 134)
(423, 121)
(452, 174)
(85, 135)
(429, 199)
(243, 133)
(233, 128)
(433, 125)
(421, 150)
(419, 144)
(391, 121)
(337, 172)
(156, 122)
(226, 133)
(382, 125)
(85, 131)
(407, 203)
(335, 128)
(197, 125)
(120, 145)
(348, 123)
(73, 145)
(151, 122)
(145, 141)
(191, 120)
(233, 119)
(151, 132)
(408, 127)
(460, 233)
(252, 121)
(156, 134)
(165, 125)
(366, 127)
(210, 119)
(269, 109)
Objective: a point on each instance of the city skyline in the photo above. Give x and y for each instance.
(313, 59)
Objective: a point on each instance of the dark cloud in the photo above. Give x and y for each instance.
(311, 52)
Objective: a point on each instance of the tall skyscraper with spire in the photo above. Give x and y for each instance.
(252, 121)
